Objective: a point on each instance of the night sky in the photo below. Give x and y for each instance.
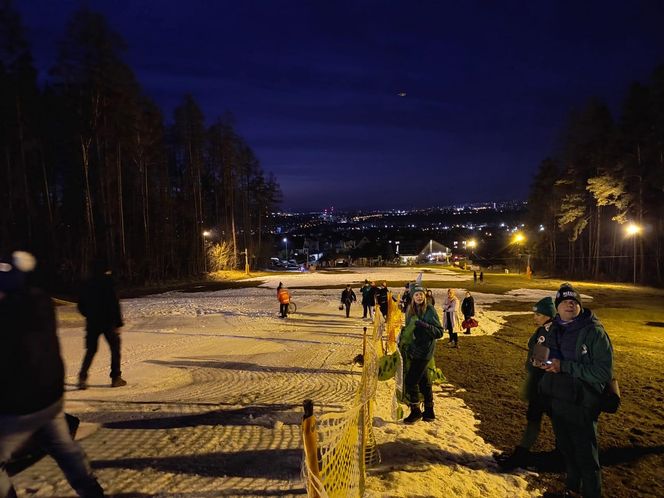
(314, 86)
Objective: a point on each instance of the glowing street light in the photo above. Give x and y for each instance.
(633, 230)
(206, 234)
(471, 244)
(519, 238)
(286, 242)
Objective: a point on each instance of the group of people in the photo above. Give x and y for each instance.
(32, 403)
(566, 384)
(569, 363)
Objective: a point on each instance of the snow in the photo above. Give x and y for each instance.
(216, 384)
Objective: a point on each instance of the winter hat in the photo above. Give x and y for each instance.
(13, 269)
(566, 291)
(417, 286)
(545, 307)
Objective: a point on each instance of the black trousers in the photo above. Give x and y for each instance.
(417, 381)
(347, 309)
(112, 337)
(283, 309)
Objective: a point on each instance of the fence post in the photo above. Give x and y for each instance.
(310, 440)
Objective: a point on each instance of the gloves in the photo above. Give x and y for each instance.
(423, 324)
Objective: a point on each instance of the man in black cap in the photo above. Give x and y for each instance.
(581, 363)
(32, 386)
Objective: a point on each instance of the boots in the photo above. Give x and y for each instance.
(118, 382)
(428, 415)
(415, 414)
(518, 458)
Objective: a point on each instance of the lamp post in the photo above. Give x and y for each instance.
(519, 239)
(632, 231)
(286, 242)
(206, 234)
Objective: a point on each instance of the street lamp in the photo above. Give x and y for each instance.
(286, 242)
(633, 230)
(206, 233)
(519, 239)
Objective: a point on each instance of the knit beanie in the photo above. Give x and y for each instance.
(13, 269)
(566, 291)
(545, 307)
(417, 285)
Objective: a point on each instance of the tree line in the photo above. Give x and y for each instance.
(90, 168)
(608, 175)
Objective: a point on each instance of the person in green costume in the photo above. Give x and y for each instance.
(417, 343)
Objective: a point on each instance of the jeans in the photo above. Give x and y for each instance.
(91, 343)
(52, 431)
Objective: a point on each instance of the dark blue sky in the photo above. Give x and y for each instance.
(314, 85)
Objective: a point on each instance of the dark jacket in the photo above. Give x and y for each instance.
(99, 304)
(533, 374)
(575, 391)
(348, 296)
(468, 307)
(424, 343)
(31, 369)
(381, 295)
(368, 295)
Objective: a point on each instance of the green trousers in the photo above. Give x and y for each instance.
(578, 444)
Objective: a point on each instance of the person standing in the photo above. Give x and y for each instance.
(381, 298)
(581, 364)
(429, 297)
(544, 312)
(405, 298)
(452, 317)
(474, 276)
(32, 389)
(468, 309)
(481, 277)
(368, 301)
(347, 298)
(427, 329)
(99, 305)
(284, 300)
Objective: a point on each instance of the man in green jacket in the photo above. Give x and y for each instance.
(581, 363)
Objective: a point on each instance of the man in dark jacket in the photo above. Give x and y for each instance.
(381, 298)
(101, 309)
(347, 298)
(368, 291)
(581, 363)
(32, 380)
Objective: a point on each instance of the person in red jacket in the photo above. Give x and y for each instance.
(284, 298)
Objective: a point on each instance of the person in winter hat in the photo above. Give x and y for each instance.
(427, 329)
(100, 306)
(544, 312)
(581, 364)
(31, 392)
